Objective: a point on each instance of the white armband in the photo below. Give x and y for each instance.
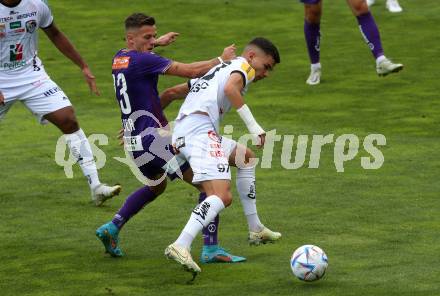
(247, 117)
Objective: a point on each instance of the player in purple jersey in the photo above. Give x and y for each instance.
(136, 71)
(367, 26)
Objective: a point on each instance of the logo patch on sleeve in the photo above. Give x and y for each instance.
(250, 72)
(121, 63)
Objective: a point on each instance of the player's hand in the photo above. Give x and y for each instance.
(2, 99)
(121, 137)
(261, 140)
(90, 78)
(166, 39)
(229, 53)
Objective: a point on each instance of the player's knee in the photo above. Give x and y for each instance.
(249, 156)
(160, 188)
(313, 14)
(69, 124)
(359, 7)
(226, 197)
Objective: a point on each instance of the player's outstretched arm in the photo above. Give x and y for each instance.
(176, 92)
(166, 39)
(66, 47)
(233, 88)
(198, 69)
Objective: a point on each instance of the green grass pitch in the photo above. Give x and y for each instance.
(379, 228)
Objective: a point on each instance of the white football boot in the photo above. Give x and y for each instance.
(315, 76)
(394, 6)
(385, 67)
(182, 256)
(102, 192)
(264, 236)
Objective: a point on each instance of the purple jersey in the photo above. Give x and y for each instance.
(135, 76)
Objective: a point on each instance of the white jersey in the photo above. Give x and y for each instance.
(19, 25)
(207, 93)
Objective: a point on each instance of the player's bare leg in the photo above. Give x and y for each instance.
(312, 34)
(370, 32)
(244, 159)
(66, 121)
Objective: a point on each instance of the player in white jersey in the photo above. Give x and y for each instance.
(23, 78)
(196, 138)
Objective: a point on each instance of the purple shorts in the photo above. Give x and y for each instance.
(310, 1)
(154, 167)
(156, 154)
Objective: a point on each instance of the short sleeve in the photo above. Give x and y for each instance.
(151, 63)
(46, 18)
(246, 71)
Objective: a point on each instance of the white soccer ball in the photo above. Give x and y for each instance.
(309, 263)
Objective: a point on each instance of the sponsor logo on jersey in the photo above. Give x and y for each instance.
(120, 63)
(14, 65)
(18, 31)
(26, 15)
(15, 52)
(6, 19)
(15, 25)
(31, 25)
(213, 136)
(250, 72)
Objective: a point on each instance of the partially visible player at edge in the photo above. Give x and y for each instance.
(367, 26)
(392, 5)
(196, 137)
(136, 71)
(23, 78)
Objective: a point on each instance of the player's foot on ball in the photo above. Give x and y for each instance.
(216, 254)
(182, 256)
(102, 192)
(394, 6)
(385, 67)
(264, 236)
(108, 235)
(314, 77)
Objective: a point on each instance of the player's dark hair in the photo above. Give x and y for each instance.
(268, 47)
(137, 20)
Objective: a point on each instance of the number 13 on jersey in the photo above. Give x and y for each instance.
(120, 84)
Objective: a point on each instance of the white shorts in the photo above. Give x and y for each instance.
(41, 97)
(206, 152)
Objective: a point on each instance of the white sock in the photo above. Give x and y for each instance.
(200, 217)
(81, 150)
(246, 189)
(316, 66)
(380, 59)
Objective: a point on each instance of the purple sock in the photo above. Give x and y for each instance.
(313, 40)
(210, 232)
(370, 32)
(133, 204)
